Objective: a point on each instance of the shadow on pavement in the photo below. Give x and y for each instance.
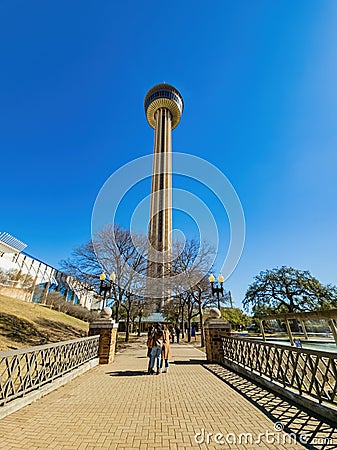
(188, 362)
(127, 373)
(291, 419)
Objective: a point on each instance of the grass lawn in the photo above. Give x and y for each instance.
(24, 324)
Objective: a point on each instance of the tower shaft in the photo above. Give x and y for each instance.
(160, 227)
(163, 107)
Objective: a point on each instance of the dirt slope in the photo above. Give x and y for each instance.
(25, 324)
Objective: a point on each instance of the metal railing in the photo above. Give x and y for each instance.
(311, 373)
(24, 370)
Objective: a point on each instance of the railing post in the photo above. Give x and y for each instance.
(107, 330)
(304, 329)
(289, 332)
(262, 330)
(215, 329)
(333, 328)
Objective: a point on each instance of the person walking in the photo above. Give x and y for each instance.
(193, 333)
(157, 344)
(178, 333)
(165, 353)
(149, 345)
(172, 335)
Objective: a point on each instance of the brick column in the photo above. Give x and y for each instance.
(215, 328)
(107, 329)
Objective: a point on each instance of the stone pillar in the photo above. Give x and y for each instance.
(215, 329)
(107, 330)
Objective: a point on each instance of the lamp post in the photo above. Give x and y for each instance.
(112, 281)
(105, 286)
(216, 289)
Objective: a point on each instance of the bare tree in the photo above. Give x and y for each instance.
(142, 306)
(113, 249)
(191, 263)
(83, 265)
(172, 310)
(202, 298)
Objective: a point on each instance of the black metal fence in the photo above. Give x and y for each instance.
(22, 371)
(309, 373)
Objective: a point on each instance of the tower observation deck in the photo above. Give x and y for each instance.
(163, 108)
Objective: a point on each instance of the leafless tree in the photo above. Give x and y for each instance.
(83, 265)
(191, 263)
(113, 249)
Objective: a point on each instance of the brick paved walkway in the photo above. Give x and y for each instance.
(120, 407)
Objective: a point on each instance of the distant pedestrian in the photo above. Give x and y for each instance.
(172, 335)
(193, 334)
(157, 344)
(165, 353)
(177, 330)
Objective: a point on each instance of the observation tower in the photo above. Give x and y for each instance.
(163, 108)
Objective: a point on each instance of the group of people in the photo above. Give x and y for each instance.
(158, 348)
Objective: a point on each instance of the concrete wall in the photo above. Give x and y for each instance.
(20, 294)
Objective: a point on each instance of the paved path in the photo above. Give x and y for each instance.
(118, 406)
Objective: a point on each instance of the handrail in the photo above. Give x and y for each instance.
(296, 349)
(24, 370)
(312, 373)
(21, 351)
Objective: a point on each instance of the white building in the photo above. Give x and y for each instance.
(45, 278)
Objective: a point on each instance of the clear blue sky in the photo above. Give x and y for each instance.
(259, 83)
